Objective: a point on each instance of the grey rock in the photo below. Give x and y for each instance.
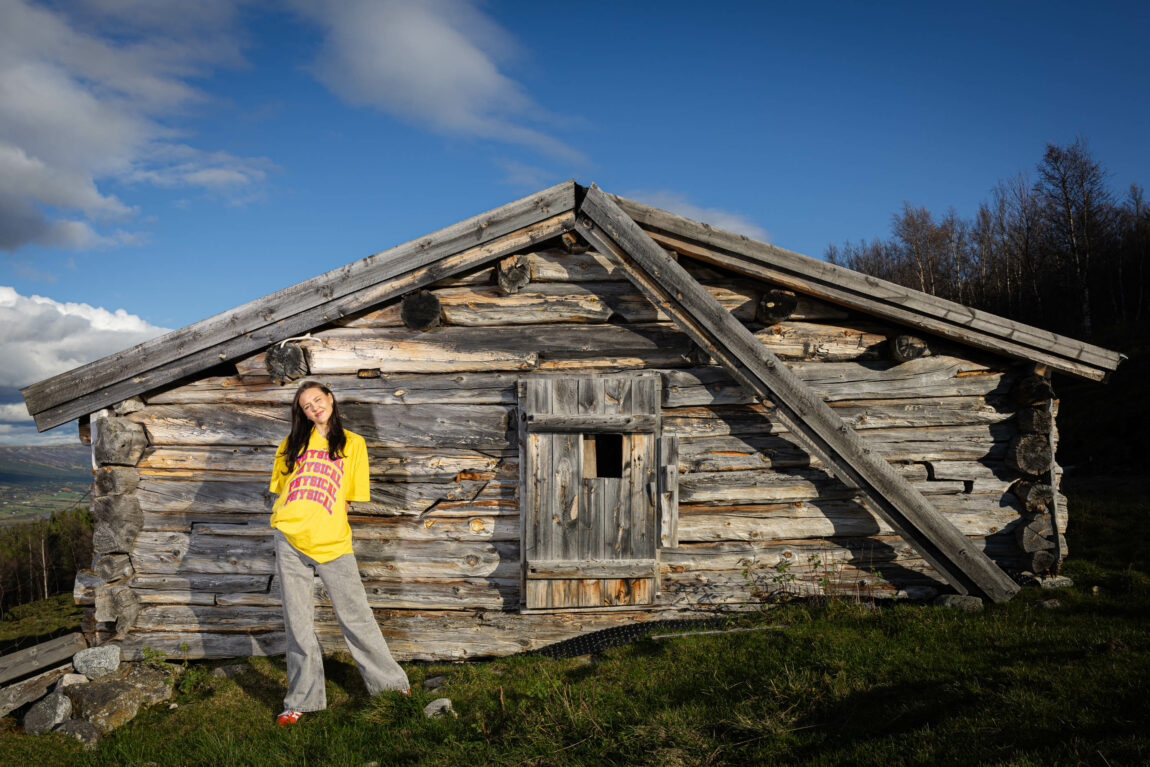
(53, 709)
(229, 672)
(1055, 582)
(434, 683)
(70, 679)
(439, 707)
(1050, 604)
(85, 732)
(106, 703)
(156, 684)
(96, 662)
(958, 602)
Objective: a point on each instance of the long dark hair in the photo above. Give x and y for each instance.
(301, 428)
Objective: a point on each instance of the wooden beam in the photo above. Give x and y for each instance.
(823, 433)
(591, 424)
(301, 307)
(34, 658)
(880, 298)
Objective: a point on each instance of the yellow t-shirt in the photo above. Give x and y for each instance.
(311, 510)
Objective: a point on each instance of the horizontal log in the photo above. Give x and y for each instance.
(862, 552)
(388, 389)
(689, 422)
(925, 378)
(178, 597)
(386, 464)
(450, 426)
(827, 521)
(215, 583)
(411, 635)
(403, 559)
(792, 340)
(591, 423)
(32, 659)
(200, 552)
(457, 349)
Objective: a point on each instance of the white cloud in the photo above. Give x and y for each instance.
(432, 62)
(87, 92)
(675, 202)
(42, 337)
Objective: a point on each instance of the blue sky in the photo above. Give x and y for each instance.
(161, 162)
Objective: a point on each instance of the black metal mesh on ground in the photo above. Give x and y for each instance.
(598, 641)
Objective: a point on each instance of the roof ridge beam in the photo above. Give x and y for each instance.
(607, 227)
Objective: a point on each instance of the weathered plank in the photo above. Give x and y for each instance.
(32, 659)
(610, 230)
(587, 423)
(25, 691)
(450, 426)
(871, 295)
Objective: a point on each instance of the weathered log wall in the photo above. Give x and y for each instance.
(181, 500)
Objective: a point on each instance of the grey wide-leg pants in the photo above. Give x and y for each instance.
(357, 623)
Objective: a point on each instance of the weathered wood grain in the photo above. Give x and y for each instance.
(929, 377)
(450, 426)
(611, 231)
(32, 659)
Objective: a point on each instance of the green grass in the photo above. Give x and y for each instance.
(27, 625)
(839, 683)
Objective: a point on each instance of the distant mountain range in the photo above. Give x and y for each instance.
(52, 463)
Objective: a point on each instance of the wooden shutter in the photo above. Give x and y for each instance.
(589, 541)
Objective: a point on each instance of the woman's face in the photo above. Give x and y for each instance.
(316, 405)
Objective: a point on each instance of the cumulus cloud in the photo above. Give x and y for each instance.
(435, 63)
(42, 337)
(675, 202)
(88, 91)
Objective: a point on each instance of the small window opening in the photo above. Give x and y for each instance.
(603, 455)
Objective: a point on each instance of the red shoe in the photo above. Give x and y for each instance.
(288, 717)
(406, 692)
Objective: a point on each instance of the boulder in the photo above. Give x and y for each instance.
(439, 707)
(434, 683)
(156, 684)
(96, 662)
(53, 709)
(85, 732)
(70, 679)
(229, 672)
(967, 604)
(106, 703)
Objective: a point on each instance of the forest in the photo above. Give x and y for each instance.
(1060, 250)
(39, 559)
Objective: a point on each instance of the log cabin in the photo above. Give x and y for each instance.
(581, 412)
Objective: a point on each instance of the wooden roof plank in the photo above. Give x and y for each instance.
(607, 227)
(872, 295)
(268, 319)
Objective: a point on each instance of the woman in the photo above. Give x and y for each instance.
(319, 467)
